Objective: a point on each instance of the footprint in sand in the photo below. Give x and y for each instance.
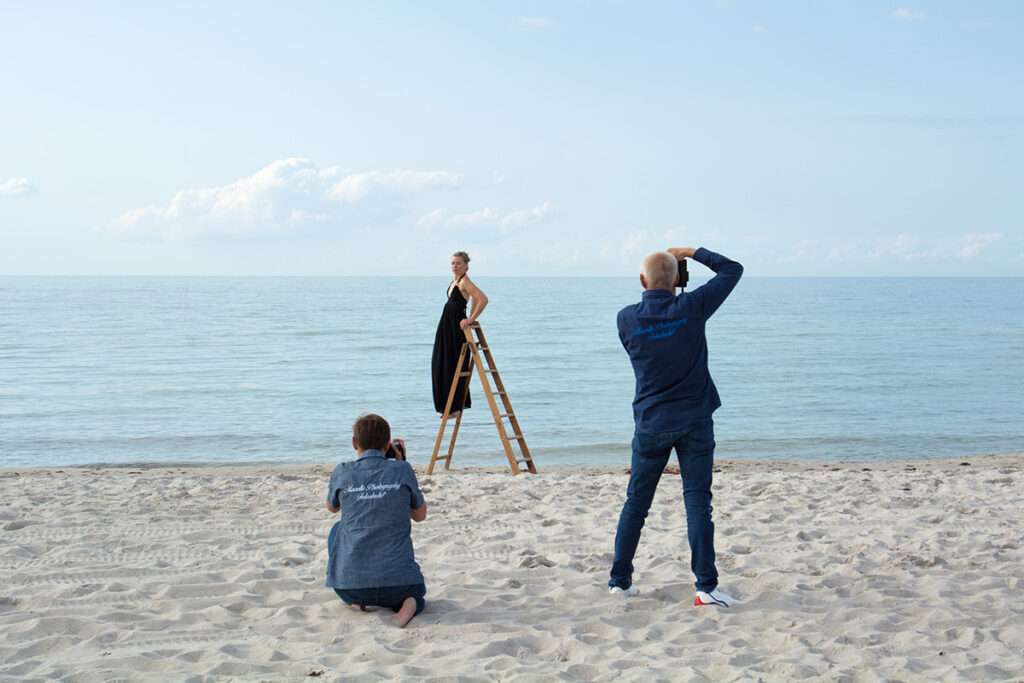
(532, 561)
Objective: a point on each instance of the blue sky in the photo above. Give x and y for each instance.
(859, 138)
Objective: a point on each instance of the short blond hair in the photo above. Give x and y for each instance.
(462, 255)
(659, 270)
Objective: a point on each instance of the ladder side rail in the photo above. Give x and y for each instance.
(520, 439)
(498, 383)
(458, 419)
(517, 430)
(507, 402)
(447, 412)
(512, 461)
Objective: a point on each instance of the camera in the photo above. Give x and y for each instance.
(684, 274)
(396, 450)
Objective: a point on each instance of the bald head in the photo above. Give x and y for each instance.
(659, 270)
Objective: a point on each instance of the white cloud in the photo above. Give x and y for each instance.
(909, 248)
(635, 242)
(435, 218)
(973, 243)
(535, 23)
(518, 219)
(284, 195)
(355, 187)
(441, 218)
(634, 245)
(485, 215)
(904, 244)
(16, 187)
(906, 14)
(902, 247)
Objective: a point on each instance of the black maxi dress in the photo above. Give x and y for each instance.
(447, 344)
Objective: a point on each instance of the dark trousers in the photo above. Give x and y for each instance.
(391, 597)
(695, 450)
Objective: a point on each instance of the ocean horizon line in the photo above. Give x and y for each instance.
(27, 276)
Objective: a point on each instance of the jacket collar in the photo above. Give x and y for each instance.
(372, 453)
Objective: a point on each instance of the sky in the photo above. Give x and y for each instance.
(545, 138)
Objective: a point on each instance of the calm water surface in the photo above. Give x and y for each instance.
(122, 370)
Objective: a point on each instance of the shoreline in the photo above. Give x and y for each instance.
(419, 467)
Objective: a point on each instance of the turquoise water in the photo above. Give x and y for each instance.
(119, 370)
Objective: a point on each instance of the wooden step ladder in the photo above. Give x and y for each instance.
(475, 346)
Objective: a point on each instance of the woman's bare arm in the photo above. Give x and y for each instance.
(478, 300)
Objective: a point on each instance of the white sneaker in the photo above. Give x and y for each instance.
(715, 598)
(626, 592)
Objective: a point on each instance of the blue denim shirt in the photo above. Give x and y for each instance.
(664, 337)
(373, 546)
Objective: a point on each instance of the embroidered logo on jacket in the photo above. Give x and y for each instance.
(659, 330)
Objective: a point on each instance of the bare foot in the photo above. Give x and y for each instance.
(405, 614)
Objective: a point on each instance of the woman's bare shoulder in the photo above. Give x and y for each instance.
(470, 287)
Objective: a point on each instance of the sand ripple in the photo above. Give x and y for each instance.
(847, 573)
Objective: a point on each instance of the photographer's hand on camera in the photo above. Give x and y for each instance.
(681, 252)
(396, 450)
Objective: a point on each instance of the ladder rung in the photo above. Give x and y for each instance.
(478, 344)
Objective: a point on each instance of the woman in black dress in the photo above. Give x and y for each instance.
(450, 336)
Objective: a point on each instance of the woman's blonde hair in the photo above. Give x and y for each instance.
(462, 255)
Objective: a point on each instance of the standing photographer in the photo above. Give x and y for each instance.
(371, 562)
(675, 397)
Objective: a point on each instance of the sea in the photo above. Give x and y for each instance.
(274, 370)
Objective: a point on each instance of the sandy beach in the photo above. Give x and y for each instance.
(909, 571)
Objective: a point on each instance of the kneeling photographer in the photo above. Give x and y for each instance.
(371, 562)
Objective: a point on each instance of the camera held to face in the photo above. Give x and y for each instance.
(396, 450)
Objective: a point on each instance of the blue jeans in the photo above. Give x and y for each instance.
(695, 449)
(391, 597)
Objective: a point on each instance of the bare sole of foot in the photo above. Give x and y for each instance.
(405, 614)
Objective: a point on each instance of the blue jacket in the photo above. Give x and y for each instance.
(373, 545)
(664, 337)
